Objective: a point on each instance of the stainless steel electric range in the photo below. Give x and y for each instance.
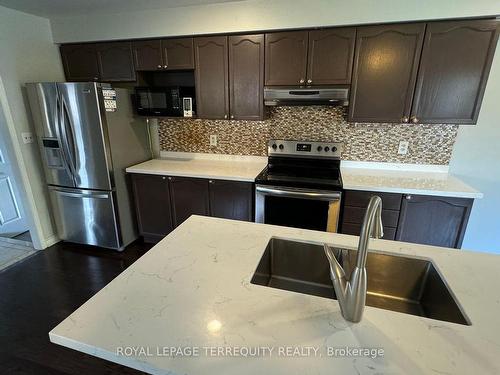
(301, 186)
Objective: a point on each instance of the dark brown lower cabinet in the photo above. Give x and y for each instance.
(152, 204)
(189, 197)
(355, 203)
(355, 230)
(162, 203)
(231, 200)
(429, 220)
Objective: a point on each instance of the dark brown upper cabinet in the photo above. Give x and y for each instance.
(231, 200)
(456, 61)
(385, 71)
(331, 53)
(246, 76)
(115, 61)
(166, 54)
(80, 62)
(189, 196)
(436, 221)
(178, 53)
(286, 58)
(211, 76)
(148, 55)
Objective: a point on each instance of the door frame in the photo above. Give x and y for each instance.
(21, 175)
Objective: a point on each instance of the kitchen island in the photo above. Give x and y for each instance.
(192, 291)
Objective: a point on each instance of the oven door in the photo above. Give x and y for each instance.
(298, 208)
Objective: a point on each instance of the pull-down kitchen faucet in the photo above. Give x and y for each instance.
(352, 294)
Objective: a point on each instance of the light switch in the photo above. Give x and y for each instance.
(213, 140)
(27, 137)
(403, 147)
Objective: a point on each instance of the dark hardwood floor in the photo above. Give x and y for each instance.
(39, 292)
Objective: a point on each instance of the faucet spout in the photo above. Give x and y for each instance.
(351, 293)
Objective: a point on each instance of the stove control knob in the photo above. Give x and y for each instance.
(274, 146)
(319, 148)
(327, 149)
(334, 149)
(281, 147)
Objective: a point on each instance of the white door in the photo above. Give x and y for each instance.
(12, 220)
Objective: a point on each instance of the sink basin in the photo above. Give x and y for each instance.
(398, 283)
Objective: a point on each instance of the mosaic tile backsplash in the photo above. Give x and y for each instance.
(429, 144)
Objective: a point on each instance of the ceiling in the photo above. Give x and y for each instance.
(64, 8)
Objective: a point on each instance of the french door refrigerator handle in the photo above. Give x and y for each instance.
(61, 135)
(62, 124)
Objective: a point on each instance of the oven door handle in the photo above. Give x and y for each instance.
(296, 193)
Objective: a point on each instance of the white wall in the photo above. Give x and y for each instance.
(260, 15)
(27, 54)
(476, 158)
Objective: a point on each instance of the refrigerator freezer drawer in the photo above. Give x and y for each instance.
(86, 216)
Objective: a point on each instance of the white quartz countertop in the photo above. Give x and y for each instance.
(228, 168)
(406, 181)
(377, 177)
(193, 290)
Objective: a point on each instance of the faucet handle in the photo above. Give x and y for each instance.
(337, 273)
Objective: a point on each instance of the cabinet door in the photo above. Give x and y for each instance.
(147, 55)
(231, 200)
(286, 58)
(178, 53)
(80, 62)
(246, 76)
(438, 221)
(116, 61)
(385, 69)
(456, 61)
(189, 197)
(331, 54)
(211, 75)
(152, 204)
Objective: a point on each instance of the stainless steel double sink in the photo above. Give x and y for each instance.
(398, 283)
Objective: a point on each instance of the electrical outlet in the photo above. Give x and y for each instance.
(27, 137)
(403, 147)
(213, 140)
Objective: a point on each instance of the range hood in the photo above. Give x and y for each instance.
(306, 95)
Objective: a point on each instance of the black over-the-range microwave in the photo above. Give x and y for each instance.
(176, 101)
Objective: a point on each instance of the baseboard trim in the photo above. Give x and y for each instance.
(49, 241)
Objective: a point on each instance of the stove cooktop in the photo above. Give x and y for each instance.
(302, 164)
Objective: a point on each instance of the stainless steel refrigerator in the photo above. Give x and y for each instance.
(88, 135)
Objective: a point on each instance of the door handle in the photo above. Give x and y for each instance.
(79, 195)
(71, 150)
(63, 138)
(298, 193)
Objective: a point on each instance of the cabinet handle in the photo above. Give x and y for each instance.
(301, 81)
(405, 119)
(96, 78)
(165, 66)
(210, 181)
(309, 81)
(408, 197)
(414, 119)
(159, 66)
(163, 178)
(232, 116)
(170, 178)
(225, 116)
